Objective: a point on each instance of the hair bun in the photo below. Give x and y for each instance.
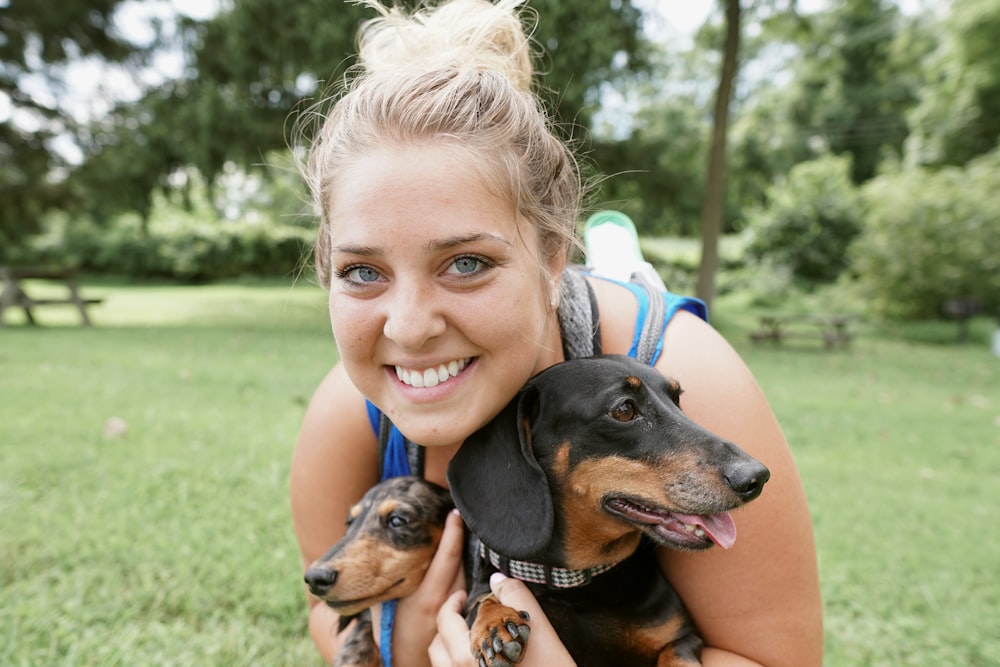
(458, 34)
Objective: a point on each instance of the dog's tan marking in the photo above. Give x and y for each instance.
(633, 382)
(594, 537)
(370, 570)
(386, 507)
(653, 639)
(560, 462)
(674, 390)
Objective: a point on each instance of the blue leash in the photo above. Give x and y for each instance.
(385, 631)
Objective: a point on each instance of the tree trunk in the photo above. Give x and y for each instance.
(715, 183)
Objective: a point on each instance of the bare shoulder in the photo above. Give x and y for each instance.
(761, 598)
(714, 377)
(334, 463)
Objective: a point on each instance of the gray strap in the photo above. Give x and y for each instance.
(652, 328)
(578, 317)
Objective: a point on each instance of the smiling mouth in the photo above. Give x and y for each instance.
(431, 377)
(684, 531)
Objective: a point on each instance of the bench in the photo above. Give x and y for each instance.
(833, 330)
(13, 293)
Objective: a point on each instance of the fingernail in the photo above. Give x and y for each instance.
(496, 579)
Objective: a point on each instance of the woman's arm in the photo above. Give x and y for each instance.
(759, 602)
(334, 463)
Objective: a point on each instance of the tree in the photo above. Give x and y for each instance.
(37, 40)
(810, 220)
(653, 158)
(715, 182)
(850, 95)
(931, 235)
(256, 64)
(958, 116)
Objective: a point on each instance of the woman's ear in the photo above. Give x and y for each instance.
(554, 267)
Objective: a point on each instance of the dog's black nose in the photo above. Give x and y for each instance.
(320, 580)
(748, 479)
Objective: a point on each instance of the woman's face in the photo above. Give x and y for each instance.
(440, 304)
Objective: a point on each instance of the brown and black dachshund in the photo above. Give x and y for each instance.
(571, 488)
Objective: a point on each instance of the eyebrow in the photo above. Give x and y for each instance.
(363, 250)
(433, 246)
(455, 241)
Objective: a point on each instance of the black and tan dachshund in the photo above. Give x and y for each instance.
(392, 534)
(571, 488)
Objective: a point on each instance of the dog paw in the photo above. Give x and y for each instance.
(499, 635)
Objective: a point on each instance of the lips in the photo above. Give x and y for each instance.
(431, 377)
(690, 531)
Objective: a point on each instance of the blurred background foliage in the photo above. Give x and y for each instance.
(862, 149)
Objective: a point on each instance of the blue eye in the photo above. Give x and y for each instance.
(468, 265)
(359, 274)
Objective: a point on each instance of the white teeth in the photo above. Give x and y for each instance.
(697, 530)
(431, 377)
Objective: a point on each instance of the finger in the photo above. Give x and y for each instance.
(446, 566)
(451, 645)
(545, 647)
(513, 593)
(438, 654)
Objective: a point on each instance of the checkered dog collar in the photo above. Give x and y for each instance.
(536, 573)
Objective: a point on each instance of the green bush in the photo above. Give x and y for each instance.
(929, 236)
(175, 245)
(809, 221)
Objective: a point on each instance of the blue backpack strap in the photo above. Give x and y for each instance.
(656, 308)
(397, 456)
(392, 446)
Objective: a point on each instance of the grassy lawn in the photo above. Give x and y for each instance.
(172, 544)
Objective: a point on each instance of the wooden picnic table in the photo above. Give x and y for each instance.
(833, 330)
(13, 293)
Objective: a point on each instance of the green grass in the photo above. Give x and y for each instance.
(899, 448)
(172, 545)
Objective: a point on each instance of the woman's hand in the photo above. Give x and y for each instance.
(450, 647)
(415, 615)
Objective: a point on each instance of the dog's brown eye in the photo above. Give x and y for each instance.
(396, 521)
(624, 411)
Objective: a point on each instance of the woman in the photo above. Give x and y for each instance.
(448, 211)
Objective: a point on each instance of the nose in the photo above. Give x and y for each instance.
(747, 479)
(320, 580)
(413, 316)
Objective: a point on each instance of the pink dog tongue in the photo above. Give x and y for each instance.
(720, 527)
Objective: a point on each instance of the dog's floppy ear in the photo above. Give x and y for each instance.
(498, 486)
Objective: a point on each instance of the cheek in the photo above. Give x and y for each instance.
(353, 324)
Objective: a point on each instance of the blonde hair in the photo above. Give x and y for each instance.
(458, 73)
